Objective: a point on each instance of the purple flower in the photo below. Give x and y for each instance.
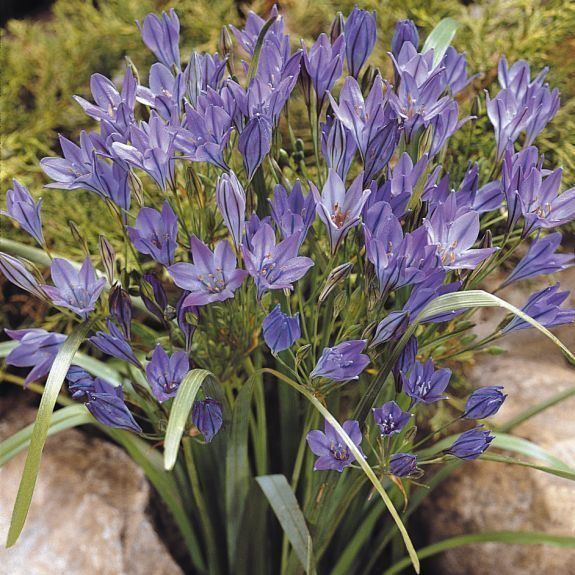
(120, 306)
(231, 200)
(115, 344)
(471, 444)
(207, 417)
(338, 146)
(37, 348)
(543, 306)
(425, 384)
(21, 207)
(390, 418)
(255, 142)
(156, 233)
(340, 210)
(187, 328)
(154, 295)
(165, 373)
(151, 150)
(77, 290)
(274, 266)
(280, 330)
(360, 35)
(104, 401)
(110, 104)
(211, 277)
(205, 131)
(342, 362)
(471, 197)
(403, 464)
(15, 272)
(162, 37)
(332, 450)
(324, 64)
(455, 238)
(484, 402)
(405, 31)
(541, 259)
(455, 65)
(392, 326)
(293, 213)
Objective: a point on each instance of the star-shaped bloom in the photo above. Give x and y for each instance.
(333, 452)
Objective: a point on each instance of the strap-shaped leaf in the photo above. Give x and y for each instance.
(480, 298)
(40, 430)
(440, 38)
(180, 412)
(359, 459)
(286, 508)
(562, 471)
(509, 537)
(238, 465)
(65, 418)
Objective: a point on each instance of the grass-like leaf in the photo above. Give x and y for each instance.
(440, 38)
(509, 537)
(40, 430)
(65, 418)
(359, 459)
(180, 412)
(286, 508)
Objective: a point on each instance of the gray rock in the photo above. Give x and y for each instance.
(88, 512)
(484, 496)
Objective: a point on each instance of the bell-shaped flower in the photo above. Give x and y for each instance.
(280, 330)
(544, 306)
(104, 401)
(342, 362)
(425, 384)
(231, 201)
(541, 259)
(114, 344)
(162, 37)
(165, 373)
(207, 417)
(332, 451)
(390, 418)
(484, 402)
(339, 209)
(75, 289)
(471, 444)
(293, 213)
(324, 64)
(274, 266)
(255, 142)
(360, 33)
(37, 348)
(337, 146)
(21, 207)
(211, 277)
(156, 233)
(455, 238)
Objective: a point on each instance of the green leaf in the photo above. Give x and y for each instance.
(361, 461)
(65, 418)
(180, 412)
(563, 472)
(286, 508)
(440, 38)
(238, 465)
(151, 463)
(40, 429)
(509, 537)
(480, 298)
(258, 47)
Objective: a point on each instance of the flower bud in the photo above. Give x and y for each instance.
(231, 200)
(336, 276)
(207, 417)
(336, 28)
(403, 465)
(108, 257)
(120, 306)
(484, 402)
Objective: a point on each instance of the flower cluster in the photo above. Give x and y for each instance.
(233, 238)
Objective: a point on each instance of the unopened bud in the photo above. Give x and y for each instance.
(336, 276)
(108, 257)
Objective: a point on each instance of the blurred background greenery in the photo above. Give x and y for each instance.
(47, 58)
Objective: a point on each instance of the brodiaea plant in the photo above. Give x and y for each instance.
(283, 315)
